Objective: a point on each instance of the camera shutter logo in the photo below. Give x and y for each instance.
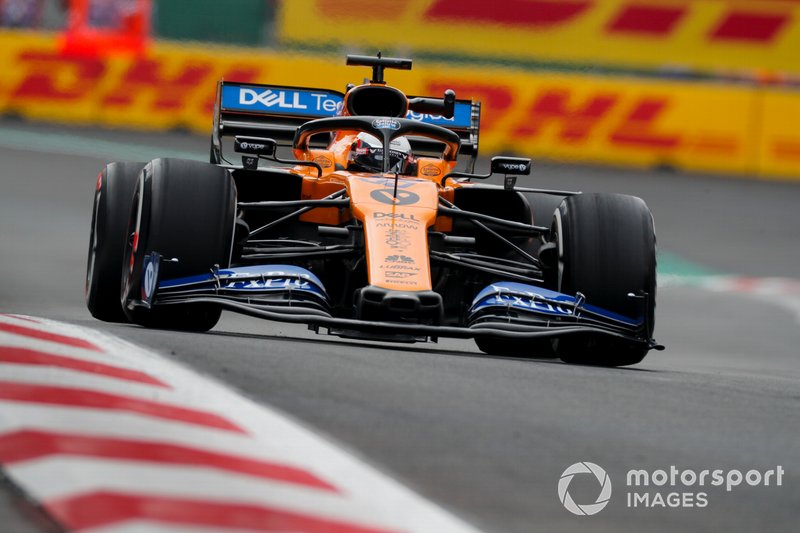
(602, 498)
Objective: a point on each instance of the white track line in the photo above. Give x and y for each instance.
(80, 475)
(360, 498)
(142, 526)
(782, 292)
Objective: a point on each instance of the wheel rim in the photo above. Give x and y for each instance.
(90, 263)
(131, 243)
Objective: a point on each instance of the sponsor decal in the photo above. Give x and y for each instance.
(511, 167)
(279, 100)
(538, 300)
(531, 301)
(386, 196)
(398, 225)
(394, 274)
(462, 117)
(149, 278)
(400, 267)
(323, 161)
(264, 271)
(430, 170)
(250, 163)
(386, 124)
(255, 277)
(397, 239)
(270, 98)
(256, 147)
(432, 119)
(402, 282)
(389, 182)
(400, 259)
(408, 218)
(270, 283)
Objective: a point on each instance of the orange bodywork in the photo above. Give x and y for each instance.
(395, 224)
(395, 229)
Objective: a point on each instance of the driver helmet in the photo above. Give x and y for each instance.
(366, 155)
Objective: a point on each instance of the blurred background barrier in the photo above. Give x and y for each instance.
(680, 37)
(700, 120)
(242, 22)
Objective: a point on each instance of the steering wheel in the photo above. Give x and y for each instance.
(384, 128)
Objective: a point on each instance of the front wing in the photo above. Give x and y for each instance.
(287, 293)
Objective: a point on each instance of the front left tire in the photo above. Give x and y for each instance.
(185, 211)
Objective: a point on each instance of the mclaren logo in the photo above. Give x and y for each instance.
(386, 196)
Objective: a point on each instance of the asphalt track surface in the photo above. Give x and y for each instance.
(485, 437)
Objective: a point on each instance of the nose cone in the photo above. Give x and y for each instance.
(396, 226)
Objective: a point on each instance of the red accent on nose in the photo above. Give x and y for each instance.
(99, 180)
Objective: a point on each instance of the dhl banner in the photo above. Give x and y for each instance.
(693, 126)
(719, 35)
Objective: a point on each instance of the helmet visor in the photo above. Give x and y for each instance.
(367, 158)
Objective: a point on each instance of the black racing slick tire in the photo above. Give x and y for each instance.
(606, 251)
(185, 212)
(112, 200)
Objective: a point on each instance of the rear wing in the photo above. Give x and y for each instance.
(276, 111)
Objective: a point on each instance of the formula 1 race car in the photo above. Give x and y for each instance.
(370, 232)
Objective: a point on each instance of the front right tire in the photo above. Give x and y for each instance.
(606, 251)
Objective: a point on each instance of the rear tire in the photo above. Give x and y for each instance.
(112, 200)
(607, 249)
(185, 210)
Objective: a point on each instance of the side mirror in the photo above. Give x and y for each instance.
(515, 166)
(255, 145)
(445, 107)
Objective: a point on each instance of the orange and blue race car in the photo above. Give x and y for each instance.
(368, 226)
